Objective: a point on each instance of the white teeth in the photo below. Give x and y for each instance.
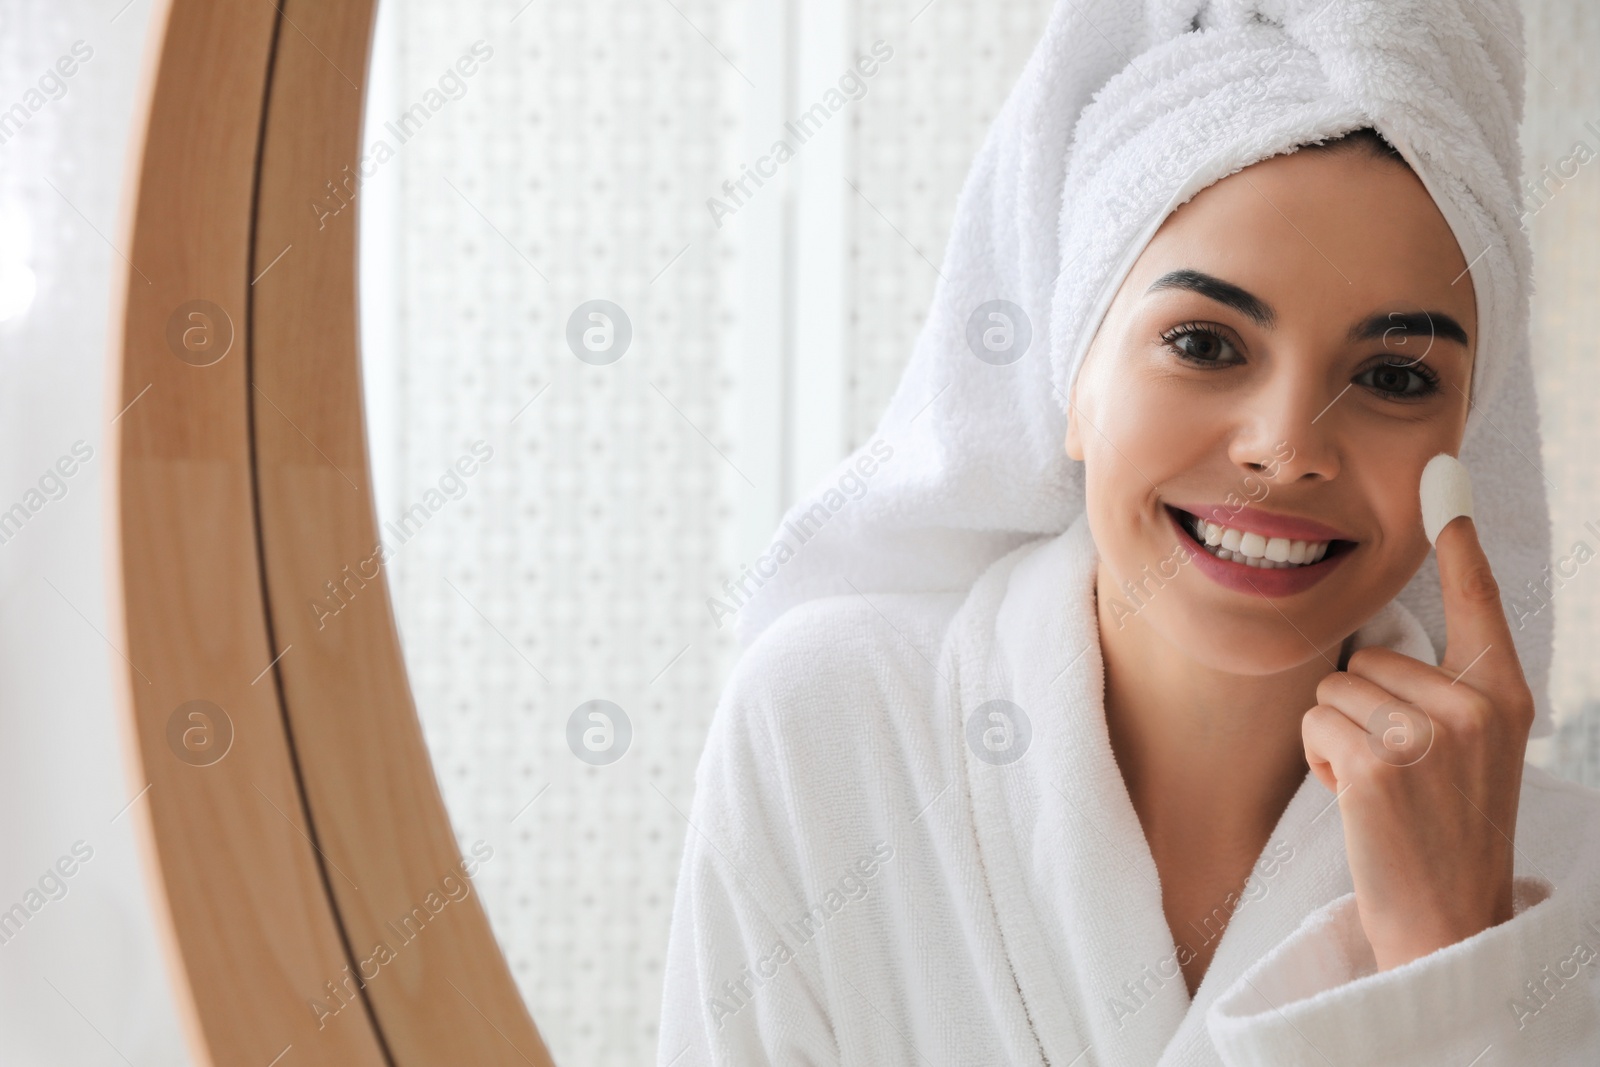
(1254, 549)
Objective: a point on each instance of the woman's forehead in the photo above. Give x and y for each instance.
(1320, 234)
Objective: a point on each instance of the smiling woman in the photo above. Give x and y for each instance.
(1201, 378)
(1239, 332)
(1273, 251)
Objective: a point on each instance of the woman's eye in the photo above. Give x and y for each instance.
(1201, 345)
(1407, 380)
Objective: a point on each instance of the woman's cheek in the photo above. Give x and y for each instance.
(1151, 417)
(1391, 474)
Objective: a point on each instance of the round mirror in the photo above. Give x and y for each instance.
(632, 278)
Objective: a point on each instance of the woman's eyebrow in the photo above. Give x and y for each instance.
(1429, 324)
(1376, 327)
(1242, 301)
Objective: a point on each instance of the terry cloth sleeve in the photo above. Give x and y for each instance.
(737, 988)
(1522, 992)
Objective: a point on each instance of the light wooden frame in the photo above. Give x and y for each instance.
(239, 489)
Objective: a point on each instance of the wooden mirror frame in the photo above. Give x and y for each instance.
(291, 824)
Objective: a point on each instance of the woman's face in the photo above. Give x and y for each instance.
(1290, 350)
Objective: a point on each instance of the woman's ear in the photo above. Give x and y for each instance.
(1075, 421)
(1074, 441)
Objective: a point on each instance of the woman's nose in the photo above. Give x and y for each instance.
(1289, 432)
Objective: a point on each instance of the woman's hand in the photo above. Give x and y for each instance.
(1426, 763)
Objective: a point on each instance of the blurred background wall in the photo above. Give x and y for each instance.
(1561, 155)
(82, 981)
(597, 153)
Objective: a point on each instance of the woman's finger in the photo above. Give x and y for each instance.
(1397, 731)
(1356, 697)
(1410, 679)
(1333, 744)
(1478, 647)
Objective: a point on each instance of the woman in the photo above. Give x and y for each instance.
(1125, 717)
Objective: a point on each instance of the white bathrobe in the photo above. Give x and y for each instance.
(860, 887)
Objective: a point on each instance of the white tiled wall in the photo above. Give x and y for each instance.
(576, 565)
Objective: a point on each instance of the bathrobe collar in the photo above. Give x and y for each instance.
(1075, 888)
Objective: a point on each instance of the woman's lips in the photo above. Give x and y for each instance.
(1244, 578)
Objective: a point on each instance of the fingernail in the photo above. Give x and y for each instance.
(1446, 493)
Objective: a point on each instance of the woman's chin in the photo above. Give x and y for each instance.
(1261, 666)
(1250, 648)
(1251, 636)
